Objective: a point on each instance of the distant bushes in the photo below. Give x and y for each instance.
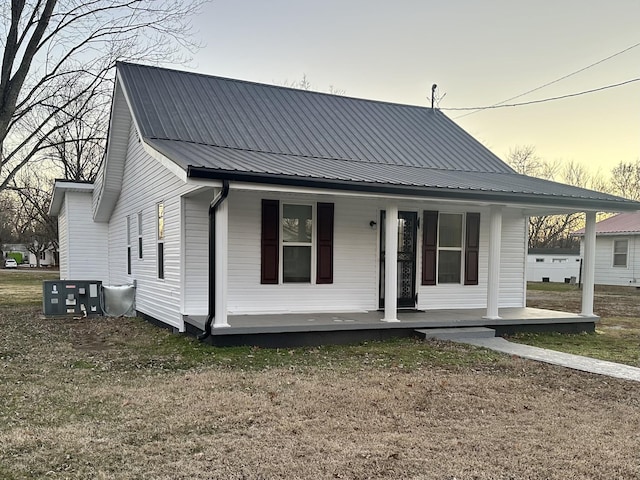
(17, 256)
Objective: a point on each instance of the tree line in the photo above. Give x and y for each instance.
(551, 231)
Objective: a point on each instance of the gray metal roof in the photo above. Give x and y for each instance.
(221, 128)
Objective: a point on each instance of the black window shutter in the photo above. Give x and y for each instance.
(429, 247)
(324, 254)
(270, 242)
(472, 249)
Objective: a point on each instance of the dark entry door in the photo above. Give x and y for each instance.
(407, 233)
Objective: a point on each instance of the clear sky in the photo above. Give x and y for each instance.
(478, 52)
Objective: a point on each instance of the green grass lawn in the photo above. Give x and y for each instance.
(23, 286)
(615, 339)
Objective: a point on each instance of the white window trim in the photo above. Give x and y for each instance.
(129, 259)
(613, 253)
(140, 238)
(161, 241)
(313, 243)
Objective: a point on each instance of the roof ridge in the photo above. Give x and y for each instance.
(284, 87)
(352, 160)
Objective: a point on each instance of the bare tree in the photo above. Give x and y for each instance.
(625, 180)
(553, 230)
(305, 84)
(77, 147)
(33, 225)
(58, 55)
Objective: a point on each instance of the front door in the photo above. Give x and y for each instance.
(407, 233)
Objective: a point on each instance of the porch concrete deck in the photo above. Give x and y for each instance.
(372, 320)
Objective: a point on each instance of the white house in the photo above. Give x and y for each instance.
(553, 265)
(321, 206)
(47, 258)
(617, 257)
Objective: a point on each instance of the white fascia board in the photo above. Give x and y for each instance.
(60, 188)
(165, 161)
(527, 209)
(260, 187)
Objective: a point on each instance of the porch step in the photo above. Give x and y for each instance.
(455, 333)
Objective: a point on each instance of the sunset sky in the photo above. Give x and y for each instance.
(478, 52)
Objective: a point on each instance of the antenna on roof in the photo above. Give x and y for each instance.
(435, 100)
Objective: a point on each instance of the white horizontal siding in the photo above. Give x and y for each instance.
(354, 281)
(605, 272)
(434, 297)
(83, 242)
(554, 267)
(63, 241)
(513, 256)
(145, 183)
(196, 253)
(512, 285)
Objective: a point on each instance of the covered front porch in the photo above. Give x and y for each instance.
(296, 329)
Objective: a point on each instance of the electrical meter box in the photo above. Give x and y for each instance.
(68, 297)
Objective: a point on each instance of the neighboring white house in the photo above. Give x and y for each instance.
(553, 265)
(314, 203)
(47, 258)
(617, 250)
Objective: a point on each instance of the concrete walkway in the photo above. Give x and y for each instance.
(567, 360)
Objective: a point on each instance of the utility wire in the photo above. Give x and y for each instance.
(550, 99)
(495, 105)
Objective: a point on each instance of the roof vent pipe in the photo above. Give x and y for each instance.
(213, 206)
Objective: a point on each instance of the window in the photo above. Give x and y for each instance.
(128, 245)
(297, 236)
(291, 233)
(160, 229)
(620, 248)
(450, 247)
(539, 260)
(139, 234)
(559, 260)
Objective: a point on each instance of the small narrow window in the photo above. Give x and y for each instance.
(539, 260)
(620, 248)
(128, 245)
(160, 229)
(297, 235)
(139, 234)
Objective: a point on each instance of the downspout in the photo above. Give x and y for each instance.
(213, 206)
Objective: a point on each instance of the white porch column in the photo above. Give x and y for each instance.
(222, 244)
(391, 264)
(588, 264)
(493, 279)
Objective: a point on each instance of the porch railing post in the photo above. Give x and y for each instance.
(222, 247)
(493, 278)
(391, 265)
(588, 277)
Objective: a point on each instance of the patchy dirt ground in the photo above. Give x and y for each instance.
(118, 398)
(608, 301)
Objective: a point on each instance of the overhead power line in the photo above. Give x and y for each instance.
(543, 100)
(495, 105)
